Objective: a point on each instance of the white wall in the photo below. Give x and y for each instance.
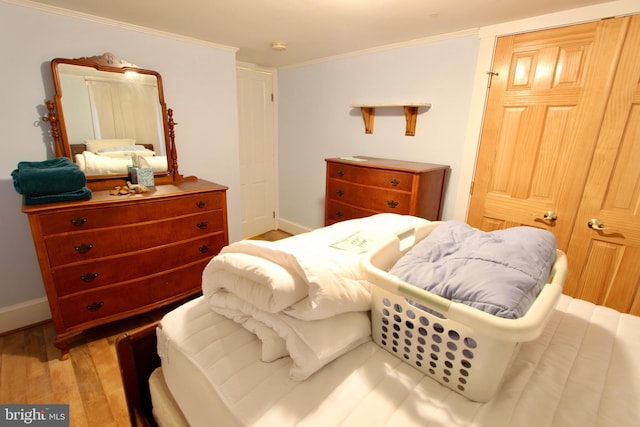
(316, 122)
(200, 85)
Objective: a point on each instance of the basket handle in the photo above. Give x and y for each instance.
(420, 296)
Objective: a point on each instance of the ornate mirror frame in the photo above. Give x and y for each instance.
(109, 63)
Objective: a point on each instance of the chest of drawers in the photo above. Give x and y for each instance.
(116, 256)
(361, 186)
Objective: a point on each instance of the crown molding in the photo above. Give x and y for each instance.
(119, 24)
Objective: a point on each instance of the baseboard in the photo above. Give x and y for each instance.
(291, 227)
(19, 316)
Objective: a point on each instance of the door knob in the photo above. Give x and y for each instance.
(550, 216)
(596, 224)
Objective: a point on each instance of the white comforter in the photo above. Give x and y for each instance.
(302, 296)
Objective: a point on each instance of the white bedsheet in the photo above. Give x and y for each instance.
(584, 370)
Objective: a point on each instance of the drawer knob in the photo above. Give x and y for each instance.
(203, 248)
(339, 214)
(79, 221)
(340, 192)
(340, 173)
(394, 182)
(202, 225)
(95, 306)
(201, 204)
(83, 248)
(89, 277)
(392, 204)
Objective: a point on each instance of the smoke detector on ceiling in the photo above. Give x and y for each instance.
(279, 46)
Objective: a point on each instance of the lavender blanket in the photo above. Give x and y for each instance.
(499, 272)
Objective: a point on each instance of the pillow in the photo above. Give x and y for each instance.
(99, 165)
(94, 145)
(79, 159)
(124, 148)
(125, 152)
(499, 272)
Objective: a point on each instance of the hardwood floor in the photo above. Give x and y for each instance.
(31, 371)
(272, 235)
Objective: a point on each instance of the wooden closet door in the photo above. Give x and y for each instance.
(604, 265)
(544, 109)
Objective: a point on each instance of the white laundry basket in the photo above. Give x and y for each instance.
(461, 347)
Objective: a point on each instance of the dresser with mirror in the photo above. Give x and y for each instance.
(117, 255)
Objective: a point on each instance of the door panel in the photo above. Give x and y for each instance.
(562, 135)
(257, 158)
(543, 111)
(605, 264)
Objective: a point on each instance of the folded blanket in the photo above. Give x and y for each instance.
(305, 275)
(310, 344)
(499, 272)
(303, 296)
(48, 177)
(82, 194)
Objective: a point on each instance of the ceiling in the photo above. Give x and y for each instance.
(312, 29)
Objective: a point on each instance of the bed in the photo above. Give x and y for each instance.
(109, 156)
(581, 369)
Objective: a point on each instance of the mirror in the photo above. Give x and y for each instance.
(111, 115)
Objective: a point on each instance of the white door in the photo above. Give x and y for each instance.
(257, 152)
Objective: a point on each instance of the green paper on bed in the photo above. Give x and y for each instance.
(358, 242)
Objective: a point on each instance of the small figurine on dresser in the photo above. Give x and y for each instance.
(48, 181)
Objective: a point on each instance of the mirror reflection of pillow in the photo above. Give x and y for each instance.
(94, 145)
(126, 152)
(136, 147)
(157, 163)
(103, 165)
(79, 159)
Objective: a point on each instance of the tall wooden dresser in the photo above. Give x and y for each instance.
(362, 186)
(116, 256)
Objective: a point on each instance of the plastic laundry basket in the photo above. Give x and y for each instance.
(461, 347)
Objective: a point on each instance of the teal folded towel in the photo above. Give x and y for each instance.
(81, 194)
(48, 177)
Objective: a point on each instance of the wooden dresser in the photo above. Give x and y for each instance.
(116, 256)
(362, 186)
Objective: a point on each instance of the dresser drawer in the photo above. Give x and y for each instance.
(114, 301)
(362, 197)
(388, 179)
(94, 274)
(99, 217)
(337, 211)
(92, 244)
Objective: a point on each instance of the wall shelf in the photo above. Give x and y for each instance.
(410, 113)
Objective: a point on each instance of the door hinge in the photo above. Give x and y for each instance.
(471, 188)
(273, 214)
(492, 74)
(272, 97)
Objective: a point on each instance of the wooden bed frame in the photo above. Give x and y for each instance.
(138, 357)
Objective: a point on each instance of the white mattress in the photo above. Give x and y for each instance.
(584, 370)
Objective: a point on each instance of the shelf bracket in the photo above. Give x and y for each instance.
(368, 113)
(410, 112)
